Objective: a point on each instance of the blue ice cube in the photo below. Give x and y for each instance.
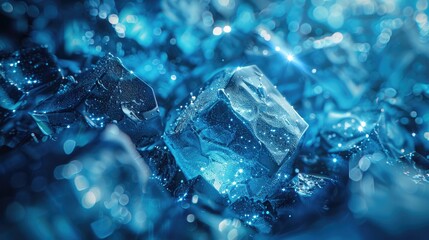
(237, 133)
(29, 68)
(27, 77)
(108, 93)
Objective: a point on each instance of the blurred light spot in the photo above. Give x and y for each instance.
(227, 29)
(337, 37)
(69, 146)
(305, 28)
(7, 7)
(124, 199)
(426, 135)
(113, 19)
(81, 183)
(89, 199)
(217, 31)
(223, 224)
(364, 163)
(355, 174)
(195, 199)
(320, 13)
(190, 218)
(232, 234)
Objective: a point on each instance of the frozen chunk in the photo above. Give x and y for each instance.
(29, 68)
(27, 77)
(109, 93)
(236, 133)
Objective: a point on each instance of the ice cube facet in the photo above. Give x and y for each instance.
(236, 133)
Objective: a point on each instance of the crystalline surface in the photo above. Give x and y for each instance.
(109, 93)
(236, 133)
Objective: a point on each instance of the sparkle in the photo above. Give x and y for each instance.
(227, 29)
(217, 31)
(113, 19)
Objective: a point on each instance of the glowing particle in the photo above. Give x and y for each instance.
(426, 135)
(190, 218)
(217, 31)
(89, 200)
(113, 19)
(290, 57)
(7, 7)
(227, 29)
(337, 37)
(69, 146)
(195, 199)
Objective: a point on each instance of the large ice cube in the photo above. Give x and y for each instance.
(236, 133)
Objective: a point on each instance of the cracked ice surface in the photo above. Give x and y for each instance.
(237, 133)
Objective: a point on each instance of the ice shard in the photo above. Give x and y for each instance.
(237, 133)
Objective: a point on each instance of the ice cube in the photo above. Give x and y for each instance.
(27, 77)
(237, 133)
(29, 68)
(108, 93)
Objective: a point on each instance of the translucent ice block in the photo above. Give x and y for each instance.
(237, 133)
(108, 93)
